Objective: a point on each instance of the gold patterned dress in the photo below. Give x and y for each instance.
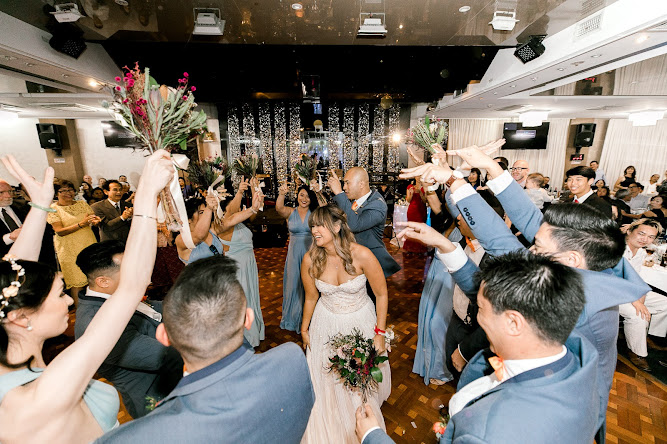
(69, 246)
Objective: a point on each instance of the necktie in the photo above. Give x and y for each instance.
(576, 200)
(117, 205)
(9, 221)
(355, 206)
(498, 367)
(469, 244)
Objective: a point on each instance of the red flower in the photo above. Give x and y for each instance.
(117, 88)
(125, 100)
(439, 428)
(185, 74)
(117, 78)
(193, 89)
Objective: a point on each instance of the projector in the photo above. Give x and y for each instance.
(372, 27)
(208, 23)
(67, 12)
(503, 20)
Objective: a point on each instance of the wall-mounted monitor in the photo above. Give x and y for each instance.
(529, 138)
(117, 136)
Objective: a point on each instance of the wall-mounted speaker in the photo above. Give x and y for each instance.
(49, 136)
(584, 135)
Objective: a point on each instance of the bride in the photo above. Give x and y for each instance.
(338, 268)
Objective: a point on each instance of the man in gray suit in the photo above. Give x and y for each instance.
(138, 366)
(366, 213)
(116, 214)
(228, 393)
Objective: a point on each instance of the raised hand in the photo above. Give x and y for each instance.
(211, 202)
(424, 234)
(41, 193)
(429, 173)
(257, 198)
(243, 185)
(157, 173)
(334, 183)
(284, 188)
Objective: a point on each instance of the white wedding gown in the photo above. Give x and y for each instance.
(340, 309)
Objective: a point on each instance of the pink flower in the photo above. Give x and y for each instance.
(125, 100)
(117, 78)
(181, 80)
(117, 88)
(130, 83)
(193, 88)
(185, 74)
(185, 97)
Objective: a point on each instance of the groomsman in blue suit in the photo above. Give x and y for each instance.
(541, 385)
(574, 235)
(228, 393)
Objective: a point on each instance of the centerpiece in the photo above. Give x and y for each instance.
(161, 117)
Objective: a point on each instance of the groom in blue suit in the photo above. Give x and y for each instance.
(528, 306)
(575, 235)
(228, 393)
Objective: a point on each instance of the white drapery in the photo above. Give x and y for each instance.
(550, 162)
(645, 78)
(643, 147)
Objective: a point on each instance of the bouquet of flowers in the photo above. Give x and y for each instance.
(305, 169)
(204, 173)
(160, 116)
(356, 361)
(247, 166)
(428, 134)
(440, 426)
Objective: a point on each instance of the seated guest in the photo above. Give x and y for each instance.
(545, 183)
(622, 198)
(138, 366)
(638, 201)
(651, 307)
(115, 214)
(579, 182)
(96, 195)
(228, 393)
(528, 307)
(520, 172)
(58, 402)
(657, 209)
(599, 172)
(475, 178)
(537, 195)
(652, 188)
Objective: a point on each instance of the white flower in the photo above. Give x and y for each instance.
(10, 292)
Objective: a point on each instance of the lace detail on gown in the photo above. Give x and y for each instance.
(340, 309)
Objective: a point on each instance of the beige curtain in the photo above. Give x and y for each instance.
(645, 78)
(644, 147)
(466, 132)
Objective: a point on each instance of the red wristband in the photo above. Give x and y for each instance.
(378, 331)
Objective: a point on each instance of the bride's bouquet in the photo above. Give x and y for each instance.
(430, 135)
(356, 361)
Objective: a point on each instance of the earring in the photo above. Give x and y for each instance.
(29, 327)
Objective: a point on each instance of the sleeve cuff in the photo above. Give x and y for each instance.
(367, 433)
(463, 192)
(7, 240)
(461, 353)
(500, 183)
(454, 260)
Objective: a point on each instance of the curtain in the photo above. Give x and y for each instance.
(640, 146)
(550, 162)
(645, 78)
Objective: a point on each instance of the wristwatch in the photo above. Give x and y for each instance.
(455, 175)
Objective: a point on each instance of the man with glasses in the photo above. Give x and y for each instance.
(115, 213)
(638, 201)
(520, 172)
(650, 311)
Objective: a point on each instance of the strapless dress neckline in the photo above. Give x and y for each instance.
(340, 285)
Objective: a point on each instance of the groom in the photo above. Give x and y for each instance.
(366, 213)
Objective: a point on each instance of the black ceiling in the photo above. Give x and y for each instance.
(225, 73)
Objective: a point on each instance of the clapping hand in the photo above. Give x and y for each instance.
(127, 213)
(40, 193)
(334, 183)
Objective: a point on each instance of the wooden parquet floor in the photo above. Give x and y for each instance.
(637, 411)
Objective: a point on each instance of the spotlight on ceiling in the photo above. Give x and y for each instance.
(372, 25)
(66, 12)
(504, 15)
(207, 22)
(530, 50)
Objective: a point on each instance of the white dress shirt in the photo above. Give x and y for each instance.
(13, 215)
(362, 200)
(637, 260)
(583, 198)
(141, 307)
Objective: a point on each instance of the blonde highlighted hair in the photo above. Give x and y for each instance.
(331, 217)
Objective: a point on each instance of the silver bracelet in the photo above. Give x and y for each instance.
(147, 217)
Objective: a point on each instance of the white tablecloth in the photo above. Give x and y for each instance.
(400, 215)
(655, 275)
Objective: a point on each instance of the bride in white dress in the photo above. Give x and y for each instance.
(338, 268)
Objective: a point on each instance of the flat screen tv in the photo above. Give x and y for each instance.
(530, 138)
(116, 136)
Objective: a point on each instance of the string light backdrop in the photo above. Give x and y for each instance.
(334, 128)
(378, 139)
(348, 137)
(392, 152)
(265, 139)
(280, 142)
(234, 145)
(249, 135)
(363, 137)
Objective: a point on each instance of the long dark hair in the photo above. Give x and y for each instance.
(36, 284)
(634, 171)
(311, 195)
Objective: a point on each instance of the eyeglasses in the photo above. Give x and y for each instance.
(65, 191)
(517, 169)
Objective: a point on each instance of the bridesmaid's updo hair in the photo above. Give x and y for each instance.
(32, 293)
(331, 217)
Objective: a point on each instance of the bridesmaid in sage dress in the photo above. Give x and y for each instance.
(299, 243)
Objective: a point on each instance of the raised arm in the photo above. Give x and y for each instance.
(281, 208)
(236, 218)
(64, 380)
(374, 213)
(29, 242)
(311, 298)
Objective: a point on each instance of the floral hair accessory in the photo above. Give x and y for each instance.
(13, 289)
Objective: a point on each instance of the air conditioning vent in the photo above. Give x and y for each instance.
(589, 7)
(662, 27)
(513, 108)
(592, 24)
(13, 108)
(66, 107)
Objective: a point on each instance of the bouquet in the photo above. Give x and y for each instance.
(305, 169)
(161, 117)
(428, 134)
(440, 426)
(356, 361)
(247, 166)
(204, 173)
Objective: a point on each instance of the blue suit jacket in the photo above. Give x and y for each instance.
(138, 366)
(604, 290)
(243, 398)
(533, 407)
(367, 224)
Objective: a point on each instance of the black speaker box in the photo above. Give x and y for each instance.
(584, 135)
(49, 136)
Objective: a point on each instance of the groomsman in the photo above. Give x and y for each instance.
(366, 213)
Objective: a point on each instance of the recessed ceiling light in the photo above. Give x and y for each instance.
(561, 69)
(7, 57)
(400, 26)
(642, 38)
(297, 6)
(512, 86)
(595, 56)
(534, 79)
(495, 93)
(93, 83)
(65, 76)
(29, 64)
(464, 8)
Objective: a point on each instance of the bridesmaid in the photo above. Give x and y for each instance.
(299, 243)
(237, 244)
